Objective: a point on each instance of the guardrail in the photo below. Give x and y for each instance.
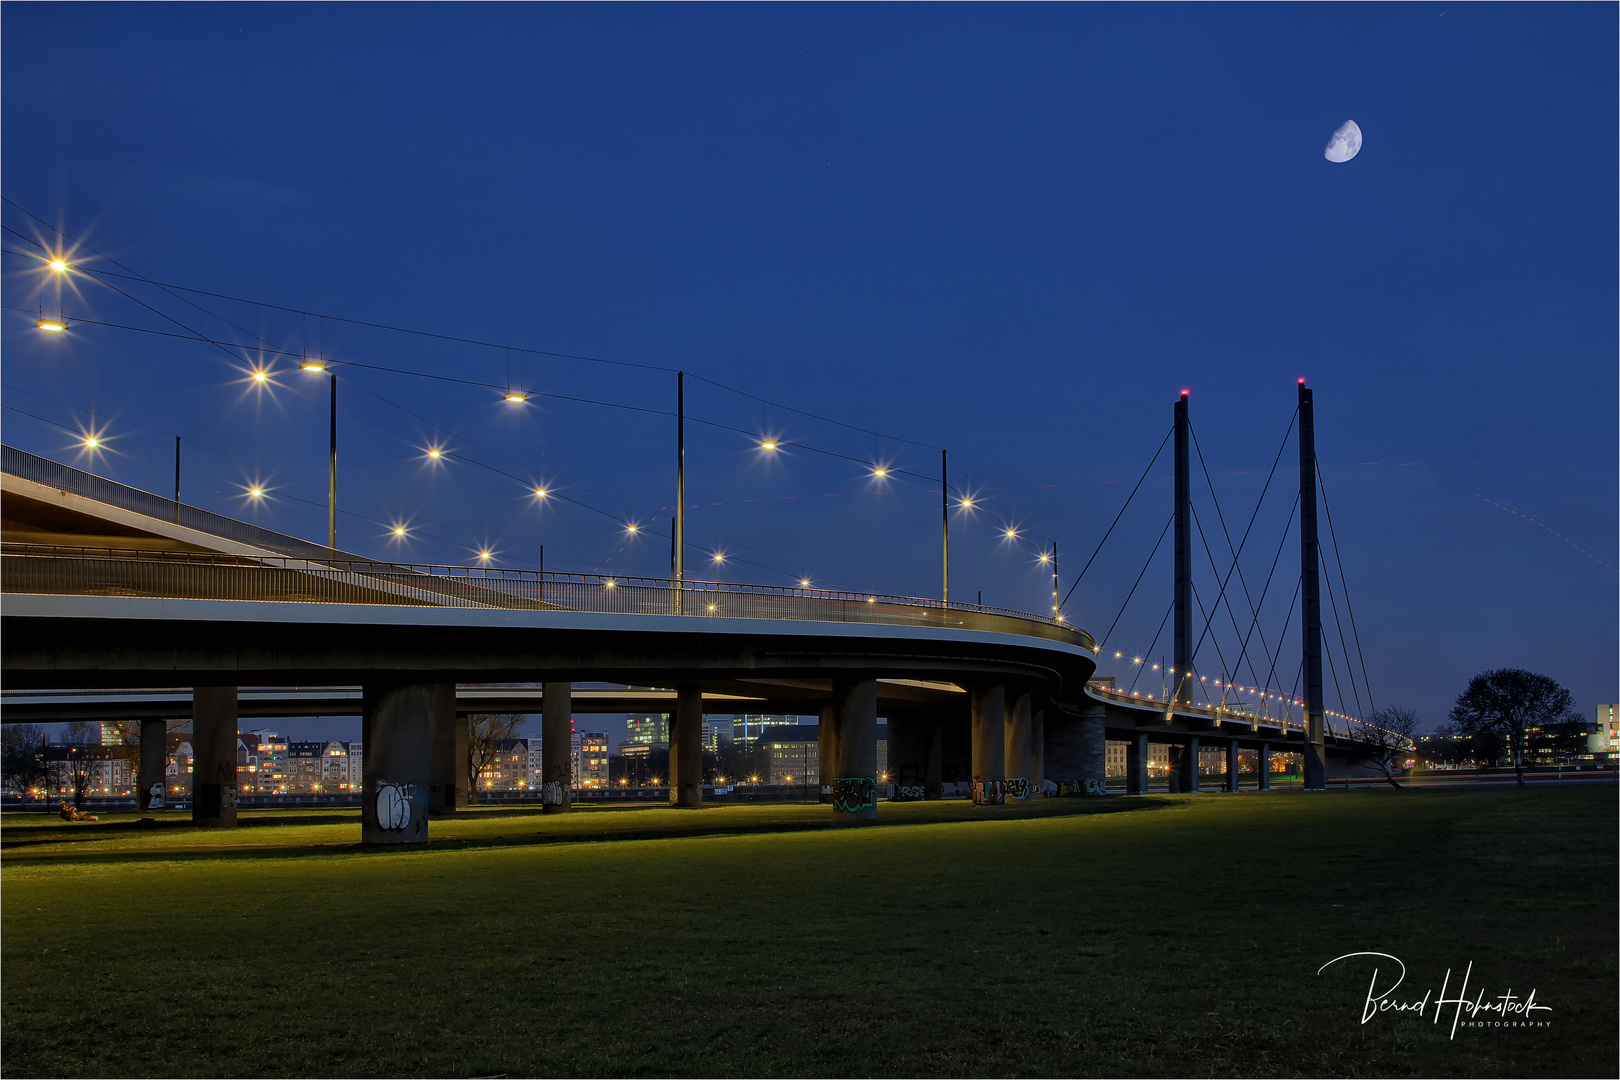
(82, 571)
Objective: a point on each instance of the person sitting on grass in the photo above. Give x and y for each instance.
(73, 813)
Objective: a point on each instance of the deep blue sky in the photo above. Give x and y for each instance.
(1014, 231)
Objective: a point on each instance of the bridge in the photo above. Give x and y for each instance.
(109, 590)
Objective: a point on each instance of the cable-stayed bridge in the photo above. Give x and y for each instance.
(109, 590)
(113, 593)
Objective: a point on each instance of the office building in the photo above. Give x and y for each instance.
(647, 727)
(1606, 739)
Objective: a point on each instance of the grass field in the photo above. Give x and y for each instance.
(1151, 936)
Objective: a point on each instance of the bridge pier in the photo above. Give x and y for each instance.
(213, 757)
(1232, 766)
(1094, 746)
(396, 731)
(1136, 765)
(686, 747)
(1184, 765)
(1262, 768)
(151, 780)
(913, 753)
(934, 770)
(447, 786)
(855, 783)
(989, 703)
(556, 747)
(1019, 759)
(827, 748)
(1037, 757)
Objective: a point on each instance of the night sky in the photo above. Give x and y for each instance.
(1015, 232)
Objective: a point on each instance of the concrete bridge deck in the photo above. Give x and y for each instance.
(158, 594)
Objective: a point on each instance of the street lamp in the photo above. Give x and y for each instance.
(316, 367)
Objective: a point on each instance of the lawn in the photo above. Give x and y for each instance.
(1163, 935)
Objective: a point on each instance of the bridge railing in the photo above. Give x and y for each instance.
(1344, 727)
(78, 482)
(83, 571)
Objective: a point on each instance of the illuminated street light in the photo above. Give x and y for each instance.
(966, 504)
(55, 326)
(256, 492)
(719, 557)
(58, 265)
(435, 453)
(1045, 557)
(880, 472)
(804, 583)
(485, 555)
(632, 529)
(610, 584)
(767, 444)
(515, 397)
(1011, 534)
(318, 366)
(399, 530)
(91, 442)
(541, 493)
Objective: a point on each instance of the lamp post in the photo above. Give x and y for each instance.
(945, 527)
(678, 560)
(318, 366)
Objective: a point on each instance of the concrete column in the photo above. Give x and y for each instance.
(1232, 766)
(151, 794)
(1037, 752)
(396, 732)
(1018, 748)
(989, 743)
(909, 736)
(1136, 766)
(855, 784)
(1094, 749)
(447, 788)
(556, 747)
(1186, 765)
(1262, 767)
(934, 771)
(827, 749)
(686, 747)
(213, 761)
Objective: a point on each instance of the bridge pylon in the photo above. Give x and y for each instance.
(1311, 614)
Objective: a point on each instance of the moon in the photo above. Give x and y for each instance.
(1345, 144)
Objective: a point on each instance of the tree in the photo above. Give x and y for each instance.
(1388, 739)
(1509, 703)
(485, 734)
(1448, 746)
(22, 756)
(77, 740)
